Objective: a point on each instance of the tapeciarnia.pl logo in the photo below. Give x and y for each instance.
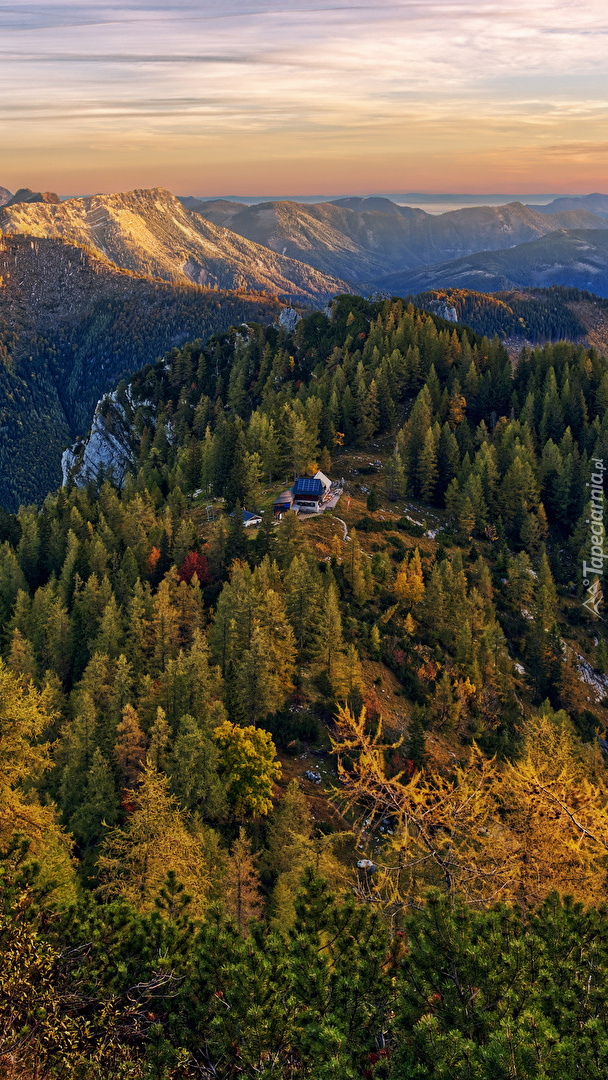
(594, 569)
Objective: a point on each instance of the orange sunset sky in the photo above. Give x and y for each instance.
(304, 96)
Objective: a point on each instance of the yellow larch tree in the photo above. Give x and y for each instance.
(554, 805)
(135, 859)
(24, 757)
(514, 831)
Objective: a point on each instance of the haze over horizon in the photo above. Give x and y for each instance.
(298, 95)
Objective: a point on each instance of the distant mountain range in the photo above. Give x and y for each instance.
(362, 240)
(309, 252)
(93, 288)
(595, 204)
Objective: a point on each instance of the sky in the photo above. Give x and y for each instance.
(304, 97)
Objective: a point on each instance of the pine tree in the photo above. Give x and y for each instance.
(546, 596)
(329, 646)
(160, 737)
(448, 458)
(394, 477)
(434, 601)
(354, 568)
(164, 627)
(303, 602)
(466, 518)
(193, 769)
(289, 538)
(427, 467)
(109, 637)
(21, 659)
(521, 584)
(409, 583)
(415, 745)
(369, 414)
(98, 805)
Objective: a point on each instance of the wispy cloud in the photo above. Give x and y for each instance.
(294, 81)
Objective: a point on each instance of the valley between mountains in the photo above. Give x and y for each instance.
(92, 288)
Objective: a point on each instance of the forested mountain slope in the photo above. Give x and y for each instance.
(71, 326)
(577, 258)
(150, 232)
(203, 721)
(531, 315)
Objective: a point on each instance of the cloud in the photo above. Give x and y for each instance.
(439, 73)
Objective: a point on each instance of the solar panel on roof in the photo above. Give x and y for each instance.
(307, 485)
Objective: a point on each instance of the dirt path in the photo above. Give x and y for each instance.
(343, 524)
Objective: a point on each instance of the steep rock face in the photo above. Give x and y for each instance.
(289, 319)
(444, 311)
(5, 195)
(108, 449)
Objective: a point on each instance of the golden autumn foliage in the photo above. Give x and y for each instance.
(409, 582)
(513, 831)
(154, 840)
(248, 761)
(24, 758)
(554, 802)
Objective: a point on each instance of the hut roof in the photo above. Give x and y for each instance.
(308, 486)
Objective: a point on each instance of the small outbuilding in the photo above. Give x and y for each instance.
(282, 503)
(251, 519)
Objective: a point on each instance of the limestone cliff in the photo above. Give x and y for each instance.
(109, 448)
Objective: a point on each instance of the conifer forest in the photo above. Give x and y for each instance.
(325, 797)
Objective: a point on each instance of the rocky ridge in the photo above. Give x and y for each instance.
(152, 233)
(26, 195)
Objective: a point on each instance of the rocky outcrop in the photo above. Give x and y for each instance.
(448, 313)
(597, 683)
(289, 319)
(108, 450)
